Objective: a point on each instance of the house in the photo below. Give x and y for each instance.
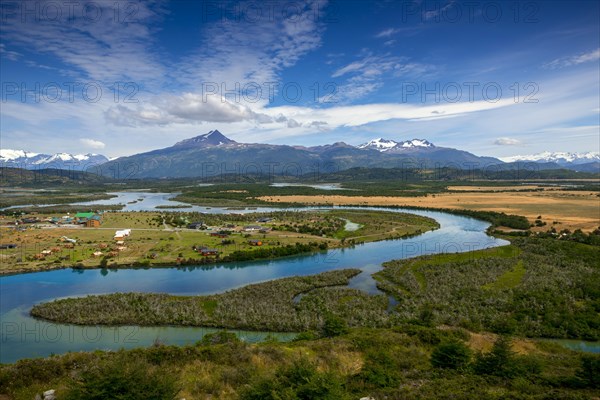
(219, 234)
(46, 252)
(8, 246)
(82, 217)
(31, 220)
(97, 254)
(196, 225)
(205, 251)
(94, 222)
(255, 242)
(252, 228)
(66, 239)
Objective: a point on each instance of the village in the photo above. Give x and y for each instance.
(96, 239)
(36, 241)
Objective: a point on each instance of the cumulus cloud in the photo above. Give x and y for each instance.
(92, 144)
(186, 108)
(506, 141)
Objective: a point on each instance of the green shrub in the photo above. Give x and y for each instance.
(300, 381)
(453, 355)
(589, 372)
(123, 380)
(334, 326)
(221, 337)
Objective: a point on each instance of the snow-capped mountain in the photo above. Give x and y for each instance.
(28, 160)
(560, 158)
(383, 145)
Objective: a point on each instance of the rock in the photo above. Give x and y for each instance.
(49, 394)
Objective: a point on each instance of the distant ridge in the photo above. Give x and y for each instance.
(213, 153)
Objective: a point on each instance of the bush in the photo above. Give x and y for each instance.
(300, 381)
(589, 372)
(453, 355)
(334, 326)
(123, 380)
(221, 337)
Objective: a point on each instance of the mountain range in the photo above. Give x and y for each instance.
(28, 160)
(213, 153)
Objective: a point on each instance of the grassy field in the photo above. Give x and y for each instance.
(563, 208)
(155, 241)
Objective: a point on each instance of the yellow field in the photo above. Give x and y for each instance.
(571, 209)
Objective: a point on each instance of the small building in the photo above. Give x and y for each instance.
(263, 220)
(94, 222)
(252, 228)
(255, 242)
(205, 251)
(46, 252)
(219, 234)
(196, 225)
(97, 254)
(5, 246)
(83, 217)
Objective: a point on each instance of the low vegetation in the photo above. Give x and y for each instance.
(406, 362)
(533, 288)
(265, 306)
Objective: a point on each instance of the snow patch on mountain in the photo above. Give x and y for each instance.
(382, 145)
(557, 157)
(29, 160)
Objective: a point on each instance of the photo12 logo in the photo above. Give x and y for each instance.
(69, 11)
(54, 92)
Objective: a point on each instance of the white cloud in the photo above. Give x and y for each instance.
(244, 51)
(386, 33)
(9, 54)
(105, 46)
(366, 75)
(564, 62)
(92, 144)
(506, 141)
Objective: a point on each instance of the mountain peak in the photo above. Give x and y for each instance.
(383, 145)
(212, 138)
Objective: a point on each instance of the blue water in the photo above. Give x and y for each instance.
(25, 337)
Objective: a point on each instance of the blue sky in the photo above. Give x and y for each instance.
(122, 77)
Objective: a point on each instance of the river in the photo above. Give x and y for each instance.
(25, 337)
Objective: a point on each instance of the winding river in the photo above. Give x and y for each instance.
(25, 337)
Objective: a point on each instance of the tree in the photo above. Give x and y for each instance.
(452, 355)
(500, 361)
(589, 372)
